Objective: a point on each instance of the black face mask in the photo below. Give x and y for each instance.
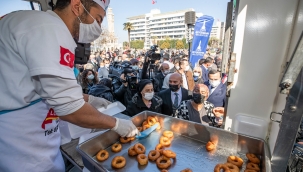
(81, 69)
(173, 88)
(198, 98)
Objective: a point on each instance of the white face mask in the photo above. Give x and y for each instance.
(149, 96)
(107, 65)
(196, 74)
(214, 83)
(177, 67)
(166, 72)
(89, 32)
(186, 68)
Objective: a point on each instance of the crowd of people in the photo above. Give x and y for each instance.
(176, 87)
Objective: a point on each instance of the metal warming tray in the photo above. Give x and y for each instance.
(188, 143)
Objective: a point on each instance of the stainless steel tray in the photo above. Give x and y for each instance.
(188, 143)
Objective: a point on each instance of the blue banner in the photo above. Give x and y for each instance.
(201, 36)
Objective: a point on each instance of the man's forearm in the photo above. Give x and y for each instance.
(89, 117)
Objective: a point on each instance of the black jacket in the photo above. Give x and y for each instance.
(124, 95)
(160, 77)
(102, 91)
(137, 105)
(167, 106)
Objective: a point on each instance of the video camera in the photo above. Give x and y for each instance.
(116, 70)
(152, 54)
(149, 62)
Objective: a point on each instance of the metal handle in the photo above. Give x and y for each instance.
(274, 119)
(293, 69)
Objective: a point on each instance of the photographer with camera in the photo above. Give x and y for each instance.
(126, 86)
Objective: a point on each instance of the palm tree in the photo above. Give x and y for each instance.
(128, 26)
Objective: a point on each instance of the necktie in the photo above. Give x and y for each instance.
(176, 100)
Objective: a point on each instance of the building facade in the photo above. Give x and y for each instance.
(218, 30)
(155, 26)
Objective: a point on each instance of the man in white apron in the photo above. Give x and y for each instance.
(38, 85)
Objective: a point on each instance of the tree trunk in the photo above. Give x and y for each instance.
(129, 38)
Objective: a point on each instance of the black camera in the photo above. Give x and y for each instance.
(82, 53)
(152, 55)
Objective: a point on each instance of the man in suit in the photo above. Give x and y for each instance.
(217, 89)
(187, 75)
(206, 63)
(173, 96)
(164, 70)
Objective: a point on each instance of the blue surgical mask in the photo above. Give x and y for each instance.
(90, 77)
(135, 67)
(196, 78)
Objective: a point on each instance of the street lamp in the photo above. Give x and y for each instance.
(189, 20)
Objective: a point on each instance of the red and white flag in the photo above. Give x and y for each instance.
(67, 58)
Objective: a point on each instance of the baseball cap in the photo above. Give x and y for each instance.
(103, 3)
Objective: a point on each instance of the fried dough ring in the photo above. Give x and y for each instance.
(253, 166)
(118, 162)
(124, 139)
(142, 159)
(159, 126)
(153, 155)
(146, 126)
(102, 155)
(220, 167)
(116, 147)
(235, 160)
(140, 129)
(151, 120)
(210, 146)
(253, 158)
(132, 138)
(145, 123)
(165, 141)
(139, 148)
(186, 170)
(250, 170)
(163, 162)
(168, 134)
(232, 167)
(169, 154)
(132, 152)
(159, 148)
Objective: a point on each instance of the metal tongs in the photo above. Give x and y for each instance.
(147, 132)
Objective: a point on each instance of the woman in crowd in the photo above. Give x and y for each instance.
(145, 99)
(198, 109)
(89, 79)
(103, 90)
(198, 75)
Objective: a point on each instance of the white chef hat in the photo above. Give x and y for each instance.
(103, 3)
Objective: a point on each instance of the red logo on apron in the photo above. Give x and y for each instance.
(67, 58)
(51, 115)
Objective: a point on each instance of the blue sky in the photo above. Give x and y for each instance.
(124, 9)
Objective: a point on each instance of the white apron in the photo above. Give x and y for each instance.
(30, 140)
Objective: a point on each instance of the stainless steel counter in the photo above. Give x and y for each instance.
(69, 151)
(188, 143)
